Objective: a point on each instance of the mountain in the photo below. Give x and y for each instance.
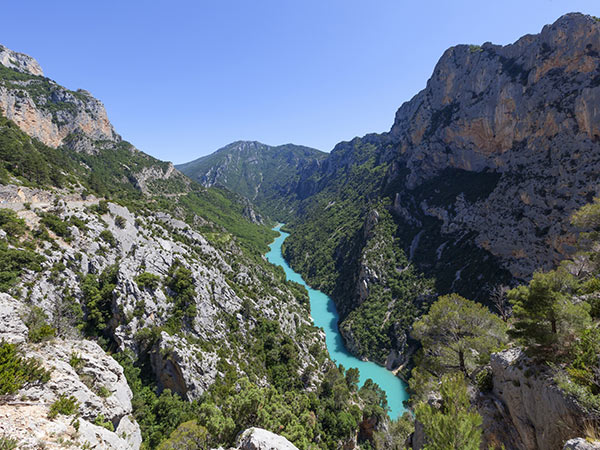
(476, 180)
(268, 176)
(136, 306)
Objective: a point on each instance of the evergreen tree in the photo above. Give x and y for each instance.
(458, 334)
(545, 313)
(452, 426)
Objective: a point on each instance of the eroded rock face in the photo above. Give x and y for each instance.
(260, 439)
(526, 410)
(527, 111)
(581, 444)
(96, 381)
(19, 61)
(49, 112)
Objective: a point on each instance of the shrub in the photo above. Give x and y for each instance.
(76, 361)
(484, 380)
(147, 280)
(11, 223)
(13, 262)
(64, 405)
(7, 443)
(105, 423)
(56, 224)
(104, 392)
(16, 371)
(108, 237)
(39, 329)
(120, 221)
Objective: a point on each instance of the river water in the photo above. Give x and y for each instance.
(324, 315)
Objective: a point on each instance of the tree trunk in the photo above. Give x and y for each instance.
(461, 362)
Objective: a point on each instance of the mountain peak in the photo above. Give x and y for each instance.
(19, 61)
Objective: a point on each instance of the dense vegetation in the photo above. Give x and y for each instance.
(266, 175)
(17, 371)
(396, 292)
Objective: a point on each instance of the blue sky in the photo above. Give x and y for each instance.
(182, 78)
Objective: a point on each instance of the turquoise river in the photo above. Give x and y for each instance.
(325, 316)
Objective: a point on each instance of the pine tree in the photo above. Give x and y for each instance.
(452, 426)
(458, 334)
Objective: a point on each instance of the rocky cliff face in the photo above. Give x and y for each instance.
(46, 110)
(19, 61)
(526, 409)
(526, 111)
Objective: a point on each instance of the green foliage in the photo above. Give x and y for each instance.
(475, 48)
(37, 323)
(30, 161)
(393, 300)
(97, 299)
(105, 423)
(16, 371)
(12, 224)
(8, 443)
(56, 224)
(76, 361)
(147, 280)
(457, 335)
(182, 294)
(13, 262)
(65, 405)
(108, 237)
(188, 436)
(259, 172)
(484, 380)
(546, 318)
(279, 355)
(454, 425)
(103, 392)
(120, 221)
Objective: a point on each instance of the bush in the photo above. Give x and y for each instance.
(484, 380)
(147, 280)
(104, 392)
(56, 224)
(16, 371)
(13, 262)
(76, 361)
(39, 329)
(105, 423)
(120, 221)
(7, 443)
(11, 223)
(108, 237)
(66, 406)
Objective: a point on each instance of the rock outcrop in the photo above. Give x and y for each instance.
(526, 410)
(46, 110)
(79, 369)
(19, 61)
(581, 444)
(259, 439)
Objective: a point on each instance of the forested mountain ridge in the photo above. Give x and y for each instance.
(269, 176)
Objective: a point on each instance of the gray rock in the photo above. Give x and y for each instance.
(581, 444)
(259, 439)
(12, 328)
(525, 399)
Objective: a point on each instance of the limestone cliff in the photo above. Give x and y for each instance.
(44, 109)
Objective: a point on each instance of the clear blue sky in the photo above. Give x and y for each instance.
(182, 78)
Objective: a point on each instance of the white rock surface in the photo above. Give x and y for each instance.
(260, 439)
